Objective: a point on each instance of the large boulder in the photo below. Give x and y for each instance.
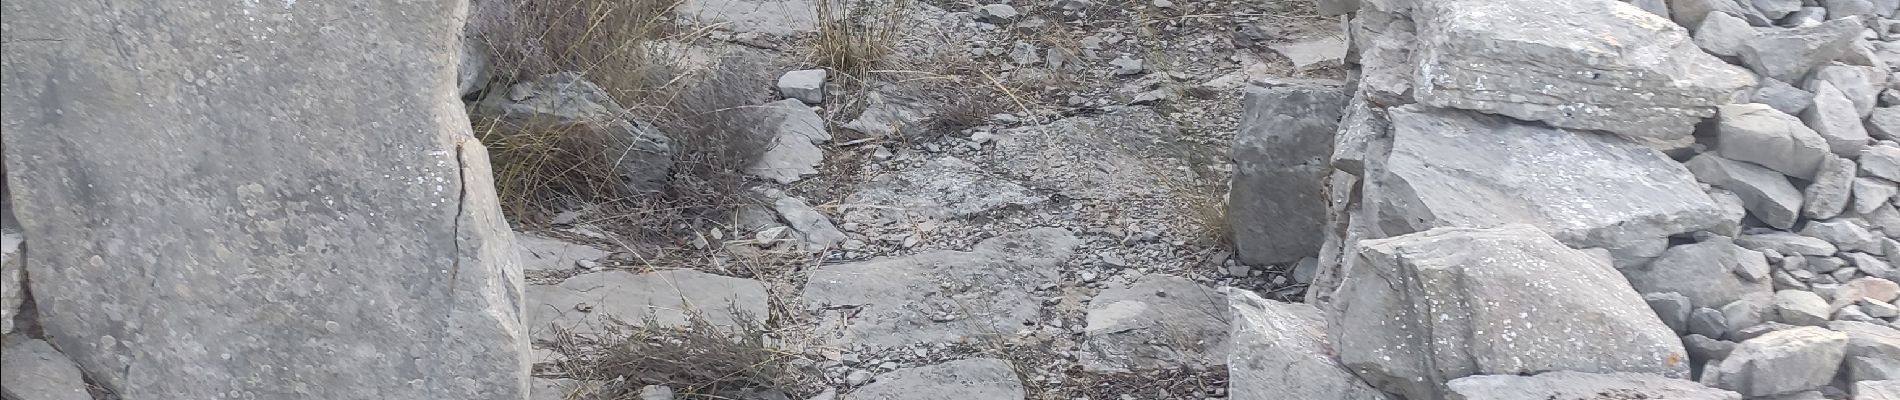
(1459, 168)
(1159, 322)
(293, 206)
(1780, 362)
(1581, 386)
(942, 296)
(1278, 351)
(1425, 308)
(1710, 273)
(1278, 198)
(1590, 64)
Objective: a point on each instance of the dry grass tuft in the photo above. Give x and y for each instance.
(699, 360)
(855, 36)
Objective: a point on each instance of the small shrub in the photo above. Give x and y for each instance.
(700, 358)
(856, 35)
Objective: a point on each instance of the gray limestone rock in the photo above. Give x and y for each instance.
(30, 369)
(1459, 168)
(1278, 195)
(1776, 9)
(1555, 62)
(807, 86)
(1796, 307)
(1580, 385)
(1806, 17)
(890, 112)
(1362, 124)
(1833, 116)
(1750, 311)
(1846, 236)
(1884, 123)
(1708, 322)
(996, 14)
(941, 296)
(1877, 390)
(1277, 351)
(1787, 243)
(1782, 96)
(1690, 13)
(1873, 351)
(12, 279)
(542, 253)
(1125, 154)
(1788, 54)
(641, 154)
(976, 378)
(587, 304)
(1767, 194)
(1673, 308)
(814, 226)
(1760, 134)
(1827, 195)
(1702, 349)
(1870, 193)
(793, 152)
(1159, 322)
(1882, 161)
(1861, 85)
(1702, 272)
(1496, 277)
(1781, 362)
(293, 206)
(1723, 34)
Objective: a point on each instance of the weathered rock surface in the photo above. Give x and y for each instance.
(1123, 154)
(30, 369)
(1785, 361)
(1277, 351)
(942, 296)
(339, 214)
(1881, 161)
(641, 154)
(1877, 390)
(1827, 195)
(1788, 54)
(1873, 351)
(816, 229)
(12, 274)
(1159, 322)
(1582, 386)
(1424, 308)
(1767, 194)
(1708, 273)
(976, 378)
(1556, 62)
(541, 253)
(1833, 116)
(805, 85)
(793, 152)
(585, 304)
(1762, 135)
(1799, 307)
(1787, 244)
(1458, 168)
(1278, 196)
(941, 188)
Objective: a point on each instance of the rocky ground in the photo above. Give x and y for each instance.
(1373, 199)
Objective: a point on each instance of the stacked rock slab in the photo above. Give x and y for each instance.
(1742, 182)
(1279, 198)
(1425, 308)
(243, 201)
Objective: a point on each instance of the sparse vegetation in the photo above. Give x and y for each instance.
(855, 36)
(699, 360)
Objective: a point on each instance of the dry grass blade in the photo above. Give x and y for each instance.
(855, 36)
(699, 360)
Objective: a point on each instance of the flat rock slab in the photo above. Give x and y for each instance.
(1590, 64)
(942, 188)
(1567, 385)
(1780, 362)
(542, 253)
(1459, 168)
(30, 369)
(976, 378)
(1425, 308)
(584, 304)
(1278, 351)
(1159, 322)
(771, 17)
(943, 296)
(292, 207)
(1278, 196)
